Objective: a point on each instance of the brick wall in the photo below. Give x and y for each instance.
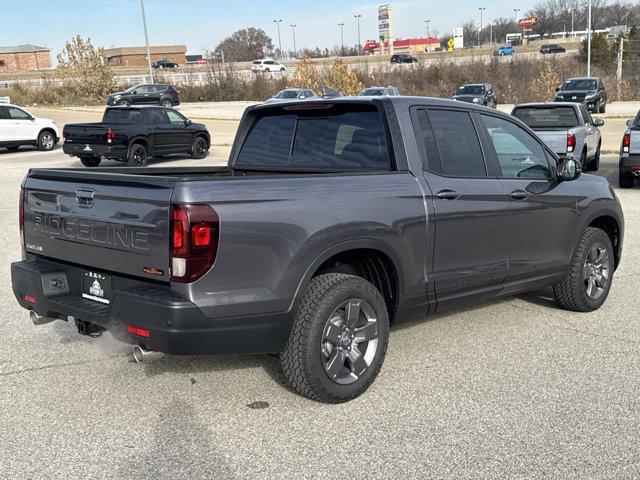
(11, 62)
(141, 60)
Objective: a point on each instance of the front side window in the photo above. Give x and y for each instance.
(16, 113)
(175, 118)
(520, 155)
(457, 143)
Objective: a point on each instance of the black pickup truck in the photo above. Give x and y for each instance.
(134, 135)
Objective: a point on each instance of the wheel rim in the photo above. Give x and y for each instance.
(596, 271)
(47, 141)
(201, 146)
(139, 156)
(167, 103)
(349, 341)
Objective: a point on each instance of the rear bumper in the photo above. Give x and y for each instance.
(175, 325)
(117, 152)
(629, 163)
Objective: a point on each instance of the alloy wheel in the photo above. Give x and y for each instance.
(349, 341)
(47, 141)
(596, 271)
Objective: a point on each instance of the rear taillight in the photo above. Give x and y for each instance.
(21, 217)
(195, 230)
(110, 136)
(626, 143)
(64, 133)
(571, 142)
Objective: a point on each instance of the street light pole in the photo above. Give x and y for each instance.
(278, 22)
(341, 25)
(482, 9)
(293, 27)
(358, 16)
(427, 22)
(589, 41)
(517, 11)
(146, 40)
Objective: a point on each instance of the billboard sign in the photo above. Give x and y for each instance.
(385, 28)
(527, 22)
(458, 38)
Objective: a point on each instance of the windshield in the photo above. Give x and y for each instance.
(286, 94)
(371, 92)
(580, 84)
(470, 90)
(547, 117)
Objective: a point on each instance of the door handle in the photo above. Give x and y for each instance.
(447, 194)
(519, 194)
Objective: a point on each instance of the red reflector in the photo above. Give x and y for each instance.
(141, 332)
(29, 298)
(200, 235)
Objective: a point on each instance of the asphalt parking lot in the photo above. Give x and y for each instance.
(515, 388)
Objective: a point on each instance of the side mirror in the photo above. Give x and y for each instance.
(630, 123)
(187, 122)
(598, 122)
(570, 169)
(33, 119)
(557, 89)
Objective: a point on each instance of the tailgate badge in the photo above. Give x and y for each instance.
(84, 198)
(87, 148)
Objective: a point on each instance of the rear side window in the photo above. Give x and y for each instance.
(456, 144)
(122, 115)
(548, 117)
(341, 138)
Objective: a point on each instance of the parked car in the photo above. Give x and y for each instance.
(152, 94)
(333, 220)
(267, 65)
(567, 129)
(505, 50)
(629, 165)
(587, 90)
(388, 91)
(480, 93)
(196, 60)
(552, 48)
(403, 58)
(292, 94)
(134, 135)
(19, 127)
(164, 63)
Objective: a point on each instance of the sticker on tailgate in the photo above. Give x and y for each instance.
(96, 287)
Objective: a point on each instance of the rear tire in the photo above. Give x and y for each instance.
(587, 285)
(167, 103)
(90, 162)
(200, 148)
(586, 167)
(124, 103)
(338, 340)
(603, 108)
(626, 180)
(46, 141)
(138, 156)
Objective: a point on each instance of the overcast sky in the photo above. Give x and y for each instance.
(201, 24)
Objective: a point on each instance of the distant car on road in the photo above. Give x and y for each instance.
(19, 127)
(505, 50)
(164, 63)
(552, 48)
(567, 129)
(267, 65)
(589, 91)
(196, 60)
(629, 167)
(146, 94)
(388, 91)
(478, 93)
(292, 94)
(403, 58)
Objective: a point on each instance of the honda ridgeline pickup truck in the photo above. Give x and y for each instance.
(333, 220)
(135, 134)
(629, 168)
(567, 129)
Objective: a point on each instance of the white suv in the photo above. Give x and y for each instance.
(267, 65)
(19, 127)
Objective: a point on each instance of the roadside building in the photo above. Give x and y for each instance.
(137, 56)
(24, 57)
(409, 45)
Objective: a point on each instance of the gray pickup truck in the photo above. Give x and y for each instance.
(629, 167)
(567, 128)
(333, 220)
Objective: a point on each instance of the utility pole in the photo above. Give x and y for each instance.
(293, 27)
(572, 28)
(358, 16)
(619, 68)
(491, 32)
(482, 9)
(146, 40)
(427, 22)
(589, 40)
(341, 25)
(278, 22)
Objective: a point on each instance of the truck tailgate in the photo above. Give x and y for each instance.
(91, 133)
(556, 140)
(112, 222)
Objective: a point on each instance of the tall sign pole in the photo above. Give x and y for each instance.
(146, 40)
(589, 41)
(358, 16)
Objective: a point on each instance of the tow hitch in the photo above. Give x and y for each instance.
(87, 328)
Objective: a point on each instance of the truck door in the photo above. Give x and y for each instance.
(470, 205)
(23, 126)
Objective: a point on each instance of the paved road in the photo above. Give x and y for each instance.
(514, 388)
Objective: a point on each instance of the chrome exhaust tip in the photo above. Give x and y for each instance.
(38, 320)
(141, 354)
(636, 173)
